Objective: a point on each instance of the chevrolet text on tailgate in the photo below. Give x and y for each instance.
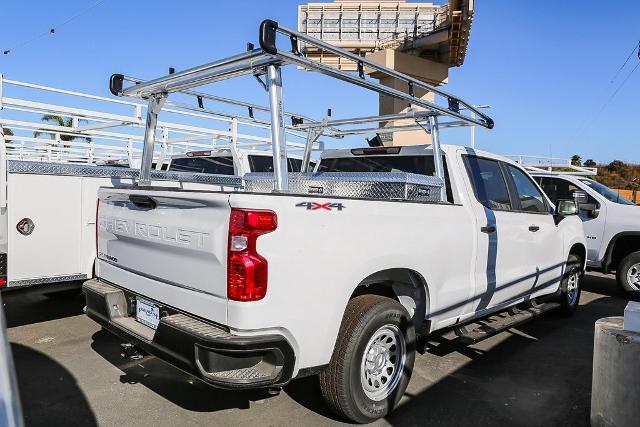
(340, 273)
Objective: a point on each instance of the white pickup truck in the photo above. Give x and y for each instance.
(251, 290)
(332, 273)
(611, 225)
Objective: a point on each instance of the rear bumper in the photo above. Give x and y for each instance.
(205, 350)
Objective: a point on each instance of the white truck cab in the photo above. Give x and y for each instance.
(611, 225)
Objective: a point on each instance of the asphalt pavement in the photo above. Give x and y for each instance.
(70, 372)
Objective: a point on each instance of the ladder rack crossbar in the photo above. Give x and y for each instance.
(224, 100)
(257, 60)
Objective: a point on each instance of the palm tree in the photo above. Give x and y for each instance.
(60, 121)
(7, 132)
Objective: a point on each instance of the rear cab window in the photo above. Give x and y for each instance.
(259, 163)
(221, 165)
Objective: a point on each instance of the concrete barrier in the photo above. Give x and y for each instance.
(615, 393)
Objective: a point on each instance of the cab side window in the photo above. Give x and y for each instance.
(528, 195)
(557, 188)
(489, 184)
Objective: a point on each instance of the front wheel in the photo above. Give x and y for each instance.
(570, 287)
(628, 273)
(372, 361)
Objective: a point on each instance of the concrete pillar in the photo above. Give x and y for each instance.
(422, 69)
(615, 393)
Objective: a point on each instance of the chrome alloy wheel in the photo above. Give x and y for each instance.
(383, 362)
(573, 283)
(633, 276)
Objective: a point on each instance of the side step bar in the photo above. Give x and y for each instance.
(483, 329)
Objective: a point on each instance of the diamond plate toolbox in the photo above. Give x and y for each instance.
(357, 185)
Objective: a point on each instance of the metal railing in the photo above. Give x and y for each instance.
(112, 130)
(553, 165)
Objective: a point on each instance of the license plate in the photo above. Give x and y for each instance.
(147, 313)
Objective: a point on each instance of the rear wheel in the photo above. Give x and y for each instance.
(571, 286)
(372, 361)
(628, 273)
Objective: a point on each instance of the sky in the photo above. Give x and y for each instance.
(545, 67)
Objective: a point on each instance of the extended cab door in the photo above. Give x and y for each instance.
(512, 254)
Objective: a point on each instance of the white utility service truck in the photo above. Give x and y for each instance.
(329, 273)
(54, 157)
(611, 224)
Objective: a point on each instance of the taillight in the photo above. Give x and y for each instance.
(246, 269)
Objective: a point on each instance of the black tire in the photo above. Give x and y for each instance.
(341, 385)
(571, 286)
(628, 263)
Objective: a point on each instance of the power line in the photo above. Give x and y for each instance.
(622, 84)
(636, 47)
(52, 29)
(613, 95)
(587, 123)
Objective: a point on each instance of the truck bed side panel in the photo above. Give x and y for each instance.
(317, 257)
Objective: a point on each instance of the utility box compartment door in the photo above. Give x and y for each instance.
(48, 210)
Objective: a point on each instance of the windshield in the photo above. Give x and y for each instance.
(608, 193)
(218, 165)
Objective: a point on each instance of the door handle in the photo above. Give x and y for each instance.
(488, 229)
(142, 202)
(534, 228)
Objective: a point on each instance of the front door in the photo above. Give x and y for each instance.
(504, 270)
(545, 249)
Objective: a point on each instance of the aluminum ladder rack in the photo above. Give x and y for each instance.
(445, 111)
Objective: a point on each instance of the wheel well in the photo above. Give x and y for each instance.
(623, 246)
(404, 285)
(579, 251)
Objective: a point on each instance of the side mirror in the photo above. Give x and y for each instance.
(566, 207)
(591, 209)
(580, 197)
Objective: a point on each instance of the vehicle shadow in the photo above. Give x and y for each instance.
(306, 392)
(49, 394)
(540, 374)
(30, 308)
(605, 285)
(171, 383)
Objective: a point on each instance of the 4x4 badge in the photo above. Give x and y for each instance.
(25, 226)
(315, 206)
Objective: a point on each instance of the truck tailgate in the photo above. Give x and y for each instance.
(167, 238)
